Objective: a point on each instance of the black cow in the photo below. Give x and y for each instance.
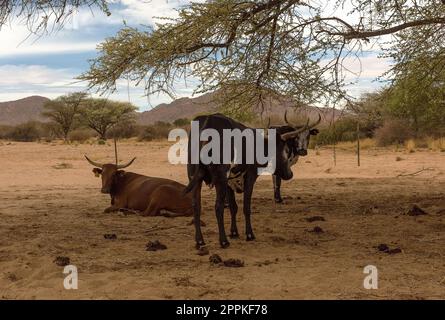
(300, 146)
(217, 175)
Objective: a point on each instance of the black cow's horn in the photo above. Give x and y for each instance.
(94, 163)
(122, 166)
(316, 123)
(295, 133)
(285, 118)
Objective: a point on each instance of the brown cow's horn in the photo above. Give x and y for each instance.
(293, 134)
(122, 166)
(94, 163)
(316, 123)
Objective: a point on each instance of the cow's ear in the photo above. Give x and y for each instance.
(97, 172)
(314, 132)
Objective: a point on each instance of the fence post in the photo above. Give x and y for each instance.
(358, 143)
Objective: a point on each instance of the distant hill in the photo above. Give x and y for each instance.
(180, 108)
(190, 107)
(30, 108)
(23, 110)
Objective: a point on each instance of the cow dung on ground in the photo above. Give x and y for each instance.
(314, 218)
(155, 246)
(233, 263)
(62, 261)
(215, 259)
(383, 247)
(416, 211)
(110, 236)
(316, 229)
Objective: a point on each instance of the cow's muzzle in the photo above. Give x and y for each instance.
(302, 152)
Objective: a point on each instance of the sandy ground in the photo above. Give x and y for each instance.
(50, 206)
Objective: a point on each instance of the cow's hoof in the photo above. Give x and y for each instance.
(234, 235)
(250, 237)
(279, 200)
(200, 244)
(224, 244)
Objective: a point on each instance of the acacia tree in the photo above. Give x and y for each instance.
(418, 97)
(45, 15)
(102, 114)
(63, 112)
(253, 49)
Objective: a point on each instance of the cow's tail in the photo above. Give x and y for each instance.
(195, 178)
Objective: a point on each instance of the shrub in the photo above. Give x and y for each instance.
(344, 130)
(436, 144)
(124, 130)
(81, 135)
(181, 122)
(5, 131)
(392, 132)
(26, 132)
(147, 134)
(159, 130)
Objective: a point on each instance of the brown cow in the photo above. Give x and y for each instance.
(134, 192)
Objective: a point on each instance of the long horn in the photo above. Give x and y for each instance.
(285, 118)
(295, 133)
(122, 166)
(94, 163)
(316, 123)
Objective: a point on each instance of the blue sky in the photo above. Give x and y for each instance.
(47, 66)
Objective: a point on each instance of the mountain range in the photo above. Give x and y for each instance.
(30, 109)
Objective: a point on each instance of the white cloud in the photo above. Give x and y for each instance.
(20, 81)
(16, 40)
(18, 75)
(145, 12)
(366, 67)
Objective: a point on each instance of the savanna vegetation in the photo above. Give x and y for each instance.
(253, 50)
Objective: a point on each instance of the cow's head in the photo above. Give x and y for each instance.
(292, 141)
(109, 172)
(302, 135)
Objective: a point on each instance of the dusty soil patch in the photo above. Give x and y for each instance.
(47, 213)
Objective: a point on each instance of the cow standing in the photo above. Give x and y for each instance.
(217, 174)
(301, 144)
(134, 192)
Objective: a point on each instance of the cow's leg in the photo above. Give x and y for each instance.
(221, 190)
(111, 209)
(277, 189)
(250, 177)
(196, 203)
(152, 209)
(233, 211)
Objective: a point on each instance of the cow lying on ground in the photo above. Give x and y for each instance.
(134, 192)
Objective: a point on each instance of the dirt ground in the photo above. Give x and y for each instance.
(51, 205)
